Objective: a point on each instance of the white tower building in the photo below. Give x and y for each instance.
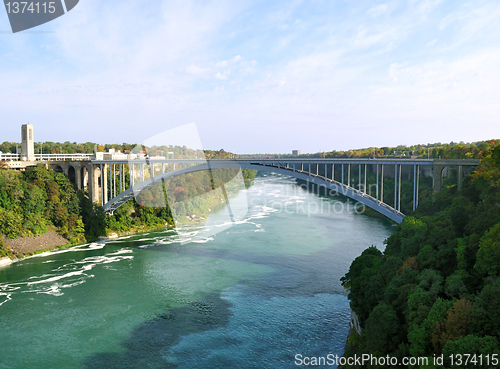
(28, 143)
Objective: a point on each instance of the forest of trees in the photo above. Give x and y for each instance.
(436, 287)
(39, 199)
(36, 200)
(452, 150)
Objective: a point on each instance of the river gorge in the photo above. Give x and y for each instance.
(251, 295)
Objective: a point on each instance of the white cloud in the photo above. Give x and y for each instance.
(222, 75)
(226, 63)
(378, 10)
(196, 70)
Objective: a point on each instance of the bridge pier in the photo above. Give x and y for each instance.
(460, 177)
(85, 177)
(414, 185)
(382, 183)
(94, 184)
(359, 178)
(437, 177)
(78, 178)
(418, 179)
(68, 168)
(104, 184)
(438, 168)
(395, 187)
(365, 179)
(101, 178)
(399, 187)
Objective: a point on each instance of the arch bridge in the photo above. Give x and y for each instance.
(333, 174)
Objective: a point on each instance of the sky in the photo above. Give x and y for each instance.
(257, 76)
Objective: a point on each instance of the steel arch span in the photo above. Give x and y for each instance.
(305, 175)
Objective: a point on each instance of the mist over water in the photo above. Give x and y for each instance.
(252, 295)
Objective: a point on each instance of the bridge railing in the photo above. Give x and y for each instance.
(48, 157)
(9, 156)
(60, 157)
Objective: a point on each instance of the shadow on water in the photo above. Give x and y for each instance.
(293, 275)
(150, 342)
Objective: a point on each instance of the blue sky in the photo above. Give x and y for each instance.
(257, 76)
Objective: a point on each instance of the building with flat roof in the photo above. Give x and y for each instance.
(295, 152)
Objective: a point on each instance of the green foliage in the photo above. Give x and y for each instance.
(419, 304)
(432, 281)
(488, 255)
(454, 326)
(399, 288)
(408, 240)
(382, 333)
(35, 199)
(419, 335)
(485, 312)
(455, 286)
(437, 282)
(11, 222)
(466, 250)
(93, 217)
(472, 345)
(437, 150)
(364, 292)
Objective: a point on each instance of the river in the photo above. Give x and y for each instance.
(252, 295)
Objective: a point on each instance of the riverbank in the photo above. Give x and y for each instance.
(22, 247)
(31, 245)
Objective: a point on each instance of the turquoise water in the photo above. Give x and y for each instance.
(252, 295)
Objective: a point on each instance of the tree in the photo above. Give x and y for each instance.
(455, 284)
(485, 318)
(472, 345)
(419, 305)
(419, 336)
(459, 214)
(383, 332)
(466, 252)
(408, 240)
(488, 255)
(458, 319)
(399, 288)
(33, 201)
(431, 280)
(364, 292)
(11, 222)
(427, 257)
